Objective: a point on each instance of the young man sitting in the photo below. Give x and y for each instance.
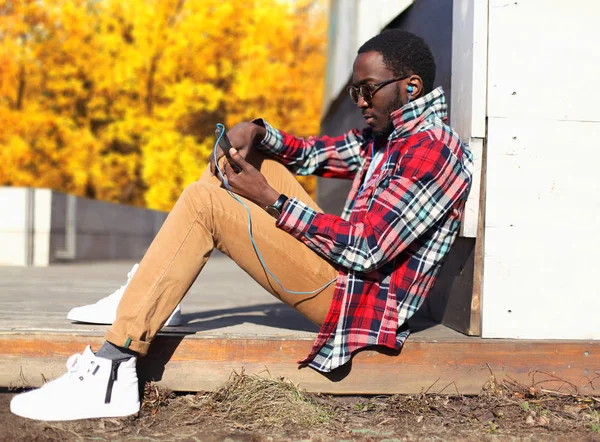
(362, 275)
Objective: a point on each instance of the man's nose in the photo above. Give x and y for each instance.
(362, 103)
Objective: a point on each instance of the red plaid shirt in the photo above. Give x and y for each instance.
(396, 228)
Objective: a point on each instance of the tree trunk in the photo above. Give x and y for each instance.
(149, 101)
(20, 87)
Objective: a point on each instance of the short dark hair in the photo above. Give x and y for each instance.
(404, 53)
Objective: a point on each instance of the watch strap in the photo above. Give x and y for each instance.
(276, 208)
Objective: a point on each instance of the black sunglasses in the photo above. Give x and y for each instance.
(368, 90)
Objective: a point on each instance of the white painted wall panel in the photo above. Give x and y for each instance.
(469, 86)
(341, 48)
(374, 16)
(469, 68)
(544, 59)
(543, 191)
(541, 230)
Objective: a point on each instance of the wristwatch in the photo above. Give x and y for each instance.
(275, 209)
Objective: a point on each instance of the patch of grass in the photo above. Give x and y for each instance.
(492, 428)
(256, 400)
(594, 417)
(368, 406)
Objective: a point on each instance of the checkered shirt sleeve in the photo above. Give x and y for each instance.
(332, 157)
(420, 192)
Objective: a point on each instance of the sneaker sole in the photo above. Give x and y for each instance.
(104, 412)
(88, 319)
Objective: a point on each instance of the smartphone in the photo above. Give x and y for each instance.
(225, 145)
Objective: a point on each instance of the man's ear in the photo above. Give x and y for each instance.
(414, 86)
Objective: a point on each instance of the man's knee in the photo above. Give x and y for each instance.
(199, 192)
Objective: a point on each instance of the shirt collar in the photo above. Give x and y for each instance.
(409, 117)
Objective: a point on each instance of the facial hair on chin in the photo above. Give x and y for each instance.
(391, 107)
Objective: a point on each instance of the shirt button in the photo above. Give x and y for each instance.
(367, 264)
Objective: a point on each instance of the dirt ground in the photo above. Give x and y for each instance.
(250, 408)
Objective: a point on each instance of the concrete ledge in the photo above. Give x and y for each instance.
(192, 363)
(13, 226)
(42, 226)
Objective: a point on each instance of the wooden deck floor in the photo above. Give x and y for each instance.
(245, 328)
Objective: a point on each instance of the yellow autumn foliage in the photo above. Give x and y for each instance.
(118, 100)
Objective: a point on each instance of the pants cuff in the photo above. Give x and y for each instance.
(140, 347)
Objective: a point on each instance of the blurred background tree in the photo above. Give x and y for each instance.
(118, 100)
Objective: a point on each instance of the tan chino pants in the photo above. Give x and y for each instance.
(207, 217)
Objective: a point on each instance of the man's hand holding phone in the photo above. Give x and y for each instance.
(225, 146)
(243, 178)
(241, 137)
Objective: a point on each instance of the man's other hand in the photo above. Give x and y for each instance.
(242, 137)
(249, 183)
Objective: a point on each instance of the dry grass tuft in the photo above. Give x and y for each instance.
(23, 383)
(263, 401)
(155, 397)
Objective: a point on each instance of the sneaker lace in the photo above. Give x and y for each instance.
(73, 363)
(73, 366)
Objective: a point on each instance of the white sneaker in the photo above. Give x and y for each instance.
(92, 387)
(105, 310)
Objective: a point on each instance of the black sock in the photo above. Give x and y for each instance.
(114, 353)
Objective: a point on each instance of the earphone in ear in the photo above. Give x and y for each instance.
(410, 89)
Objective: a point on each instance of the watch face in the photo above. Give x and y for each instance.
(273, 212)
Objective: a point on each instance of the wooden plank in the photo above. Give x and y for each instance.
(470, 224)
(477, 294)
(440, 366)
